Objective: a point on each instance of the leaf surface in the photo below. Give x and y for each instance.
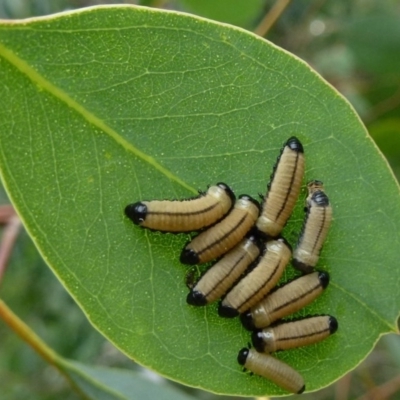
(111, 105)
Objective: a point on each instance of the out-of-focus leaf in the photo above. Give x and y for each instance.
(375, 41)
(235, 12)
(99, 383)
(386, 134)
(392, 343)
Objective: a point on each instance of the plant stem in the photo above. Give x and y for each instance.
(8, 239)
(30, 337)
(271, 17)
(26, 334)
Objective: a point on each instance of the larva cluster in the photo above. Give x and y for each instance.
(251, 258)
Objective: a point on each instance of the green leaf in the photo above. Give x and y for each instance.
(111, 105)
(101, 383)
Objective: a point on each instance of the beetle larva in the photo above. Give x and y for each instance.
(288, 335)
(223, 236)
(273, 369)
(183, 216)
(259, 281)
(283, 189)
(219, 278)
(285, 300)
(314, 231)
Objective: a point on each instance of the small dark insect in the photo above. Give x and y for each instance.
(259, 281)
(283, 189)
(192, 276)
(222, 237)
(312, 187)
(288, 335)
(183, 216)
(315, 228)
(273, 369)
(285, 300)
(218, 279)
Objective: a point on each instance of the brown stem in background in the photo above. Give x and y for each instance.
(342, 387)
(10, 234)
(6, 212)
(28, 336)
(271, 17)
(384, 391)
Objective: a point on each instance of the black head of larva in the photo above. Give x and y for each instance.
(227, 312)
(294, 144)
(242, 356)
(247, 320)
(302, 389)
(196, 298)
(249, 198)
(136, 212)
(333, 325)
(257, 340)
(189, 256)
(228, 190)
(320, 198)
(323, 278)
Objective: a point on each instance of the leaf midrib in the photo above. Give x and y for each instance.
(58, 93)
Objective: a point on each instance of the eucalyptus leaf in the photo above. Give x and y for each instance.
(111, 105)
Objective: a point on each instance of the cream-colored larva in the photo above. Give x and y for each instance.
(283, 189)
(220, 277)
(222, 237)
(292, 334)
(285, 300)
(315, 229)
(273, 369)
(259, 281)
(183, 216)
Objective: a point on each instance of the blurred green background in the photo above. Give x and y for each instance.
(355, 45)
